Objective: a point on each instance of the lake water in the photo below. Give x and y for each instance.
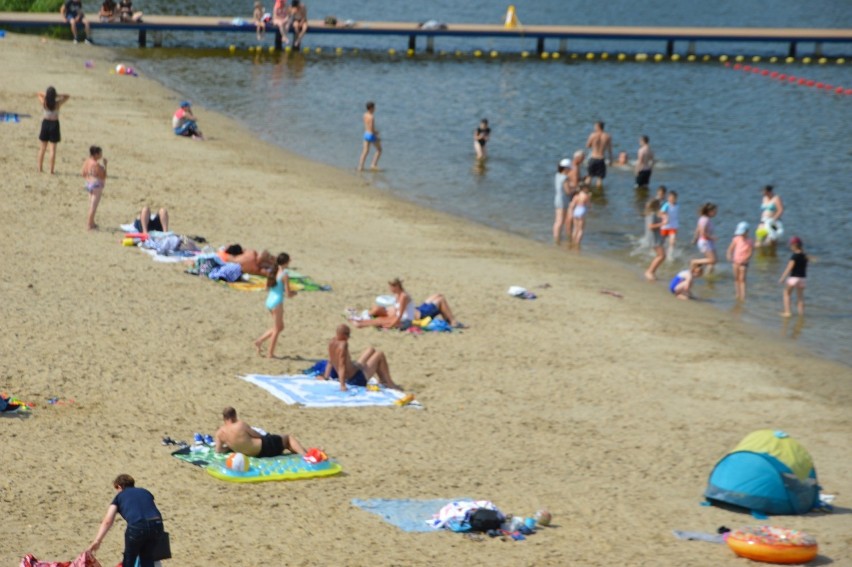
(719, 134)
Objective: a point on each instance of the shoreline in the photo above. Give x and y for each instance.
(610, 412)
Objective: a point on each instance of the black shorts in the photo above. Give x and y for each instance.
(643, 178)
(597, 168)
(153, 224)
(49, 131)
(271, 445)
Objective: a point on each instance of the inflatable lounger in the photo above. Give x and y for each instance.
(282, 467)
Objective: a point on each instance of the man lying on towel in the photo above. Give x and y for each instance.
(238, 436)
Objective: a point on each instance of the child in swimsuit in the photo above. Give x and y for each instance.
(95, 175)
(259, 24)
(704, 237)
(480, 138)
(739, 253)
(794, 277)
(681, 284)
(653, 222)
(278, 286)
(578, 209)
(672, 220)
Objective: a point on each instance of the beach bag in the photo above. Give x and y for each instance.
(163, 549)
(484, 519)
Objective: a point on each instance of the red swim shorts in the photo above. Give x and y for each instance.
(668, 231)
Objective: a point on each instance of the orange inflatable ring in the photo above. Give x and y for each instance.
(773, 545)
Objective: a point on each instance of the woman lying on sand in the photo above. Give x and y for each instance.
(401, 314)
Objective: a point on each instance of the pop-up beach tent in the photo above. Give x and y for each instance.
(767, 473)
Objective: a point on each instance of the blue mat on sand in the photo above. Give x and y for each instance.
(407, 514)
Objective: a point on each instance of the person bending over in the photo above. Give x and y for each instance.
(372, 362)
(238, 436)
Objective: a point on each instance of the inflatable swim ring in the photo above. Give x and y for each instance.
(773, 545)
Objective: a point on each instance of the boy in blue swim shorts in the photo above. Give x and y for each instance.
(371, 136)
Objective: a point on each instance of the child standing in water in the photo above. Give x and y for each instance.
(653, 223)
(739, 253)
(578, 209)
(278, 284)
(95, 175)
(672, 220)
(480, 138)
(704, 237)
(795, 274)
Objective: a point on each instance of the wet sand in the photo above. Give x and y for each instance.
(610, 412)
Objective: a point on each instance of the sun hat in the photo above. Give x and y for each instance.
(565, 162)
(742, 228)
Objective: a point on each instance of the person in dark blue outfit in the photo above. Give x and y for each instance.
(144, 522)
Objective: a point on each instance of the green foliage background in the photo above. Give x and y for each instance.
(37, 6)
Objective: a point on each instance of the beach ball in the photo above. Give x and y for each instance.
(237, 462)
(120, 69)
(543, 517)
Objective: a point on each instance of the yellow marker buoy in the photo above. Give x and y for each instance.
(822, 61)
(622, 56)
(318, 50)
(773, 60)
(723, 58)
(790, 60)
(590, 55)
(840, 61)
(739, 58)
(459, 53)
(604, 55)
(410, 53)
(575, 56)
(232, 49)
(306, 50)
(755, 59)
(251, 49)
(391, 51)
(477, 53)
(272, 49)
(339, 50)
(555, 55)
(806, 60)
(658, 57)
(442, 53)
(545, 55)
(707, 58)
(690, 57)
(675, 57)
(641, 56)
(288, 49)
(494, 54)
(511, 18)
(525, 54)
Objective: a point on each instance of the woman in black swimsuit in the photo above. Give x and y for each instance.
(480, 138)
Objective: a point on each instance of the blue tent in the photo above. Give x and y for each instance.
(767, 473)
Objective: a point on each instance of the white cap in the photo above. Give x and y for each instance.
(565, 163)
(742, 228)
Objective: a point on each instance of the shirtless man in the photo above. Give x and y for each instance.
(371, 362)
(644, 163)
(249, 260)
(601, 143)
(238, 436)
(371, 136)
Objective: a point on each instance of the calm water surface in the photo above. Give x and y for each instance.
(719, 134)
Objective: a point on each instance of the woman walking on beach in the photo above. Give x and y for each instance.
(95, 175)
(144, 522)
(49, 135)
(794, 277)
(278, 286)
(704, 237)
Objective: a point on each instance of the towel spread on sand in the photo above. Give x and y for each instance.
(309, 392)
(409, 515)
(85, 559)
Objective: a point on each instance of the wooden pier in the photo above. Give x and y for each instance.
(669, 36)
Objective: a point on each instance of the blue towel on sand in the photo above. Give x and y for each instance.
(409, 515)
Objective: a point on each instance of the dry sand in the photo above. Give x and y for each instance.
(610, 412)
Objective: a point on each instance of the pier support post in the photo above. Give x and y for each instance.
(539, 46)
(818, 49)
(279, 41)
(792, 51)
(563, 45)
(690, 50)
(670, 47)
(412, 42)
(143, 37)
(158, 39)
(430, 44)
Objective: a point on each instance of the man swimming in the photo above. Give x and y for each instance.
(371, 136)
(371, 362)
(238, 436)
(601, 143)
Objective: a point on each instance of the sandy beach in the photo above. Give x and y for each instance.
(610, 412)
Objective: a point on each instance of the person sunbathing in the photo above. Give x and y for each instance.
(249, 260)
(372, 362)
(238, 436)
(401, 314)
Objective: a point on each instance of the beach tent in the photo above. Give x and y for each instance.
(767, 473)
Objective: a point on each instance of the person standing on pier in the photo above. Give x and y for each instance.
(371, 136)
(644, 163)
(601, 144)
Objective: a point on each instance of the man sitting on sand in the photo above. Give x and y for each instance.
(238, 436)
(371, 362)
